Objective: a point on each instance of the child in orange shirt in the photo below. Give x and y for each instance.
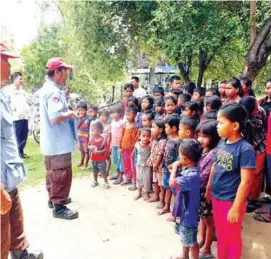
(128, 139)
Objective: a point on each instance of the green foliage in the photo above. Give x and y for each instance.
(35, 56)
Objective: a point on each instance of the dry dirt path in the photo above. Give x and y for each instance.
(112, 225)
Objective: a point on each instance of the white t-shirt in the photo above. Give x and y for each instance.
(139, 92)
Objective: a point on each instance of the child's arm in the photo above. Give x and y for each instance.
(208, 193)
(158, 162)
(241, 195)
(172, 181)
(121, 137)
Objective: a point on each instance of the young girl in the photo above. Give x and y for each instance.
(256, 136)
(222, 91)
(230, 180)
(146, 119)
(143, 171)
(234, 91)
(246, 84)
(208, 138)
(159, 109)
(128, 92)
(170, 105)
(157, 153)
(128, 139)
(146, 106)
(83, 134)
(132, 101)
(116, 128)
(98, 147)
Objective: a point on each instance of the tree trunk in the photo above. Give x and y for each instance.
(259, 51)
(184, 68)
(253, 29)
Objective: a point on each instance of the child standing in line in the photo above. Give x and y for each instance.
(98, 147)
(191, 110)
(83, 125)
(256, 136)
(198, 94)
(116, 128)
(93, 113)
(147, 119)
(128, 139)
(208, 138)
(146, 107)
(158, 92)
(128, 92)
(186, 206)
(182, 99)
(234, 91)
(133, 101)
(143, 171)
(159, 109)
(105, 120)
(170, 156)
(170, 105)
(222, 91)
(156, 158)
(230, 180)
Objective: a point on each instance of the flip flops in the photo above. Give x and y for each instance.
(207, 256)
(266, 218)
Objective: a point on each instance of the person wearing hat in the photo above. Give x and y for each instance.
(13, 237)
(57, 138)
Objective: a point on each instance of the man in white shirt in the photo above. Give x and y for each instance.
(139, 92)
(20, 108)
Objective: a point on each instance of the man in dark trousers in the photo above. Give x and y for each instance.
(57, 138)
(13, 238)
(20, 110)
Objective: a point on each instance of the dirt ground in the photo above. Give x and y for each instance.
(112, 225)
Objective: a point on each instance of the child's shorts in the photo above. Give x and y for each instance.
(157, 177)
(188, 235)
(205, 208)
(99, 167)
(166, 175)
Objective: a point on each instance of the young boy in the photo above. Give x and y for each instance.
(98, 147)
(189, 88)
(187, 201)
(198, 94)
(93, 114)
(158, 92)
(175, 82)
(170, 156)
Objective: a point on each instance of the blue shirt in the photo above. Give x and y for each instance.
(12, 168)
(55, 138)
(186, 205)
(228, 162)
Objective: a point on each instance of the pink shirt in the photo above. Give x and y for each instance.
(116, 127)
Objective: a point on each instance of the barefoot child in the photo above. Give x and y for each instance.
(170, 156)
(83, 134)
(116, 128)
(208, 138)
(155, 160)
(128, 139)
(186, 206)
(143, 171)
(230, 180)
(98, 147)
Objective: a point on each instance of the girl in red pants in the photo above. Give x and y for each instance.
(230, 180)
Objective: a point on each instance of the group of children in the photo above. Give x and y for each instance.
(197, 151)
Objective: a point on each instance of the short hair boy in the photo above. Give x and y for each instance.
(188, 186)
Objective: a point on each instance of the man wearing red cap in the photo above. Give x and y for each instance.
(13, 238)
(57, 138)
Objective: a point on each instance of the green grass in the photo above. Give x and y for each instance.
(35, 168)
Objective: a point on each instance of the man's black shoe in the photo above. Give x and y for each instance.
(50, 203)
(26, 254)
(62, 212)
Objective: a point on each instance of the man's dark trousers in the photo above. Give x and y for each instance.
(21, 131)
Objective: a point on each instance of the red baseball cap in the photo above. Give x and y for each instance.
(5, 52)
(55, 63)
